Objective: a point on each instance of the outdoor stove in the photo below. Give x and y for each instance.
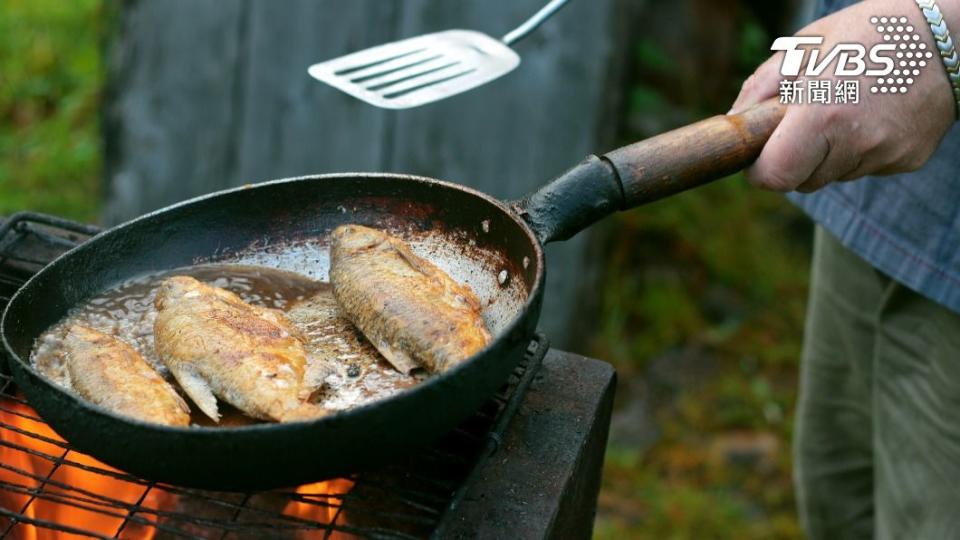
(526, 465)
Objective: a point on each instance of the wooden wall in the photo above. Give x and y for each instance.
(209, 94)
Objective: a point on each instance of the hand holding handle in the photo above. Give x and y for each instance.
(649, 170)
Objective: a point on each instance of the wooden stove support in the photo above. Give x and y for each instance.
(544, 480)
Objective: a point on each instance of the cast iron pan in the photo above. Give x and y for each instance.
(285, 224)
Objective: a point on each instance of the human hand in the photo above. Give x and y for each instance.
(883, 134)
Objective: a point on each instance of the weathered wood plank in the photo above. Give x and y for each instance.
(170, 104)
(293, 125)
(207, 95)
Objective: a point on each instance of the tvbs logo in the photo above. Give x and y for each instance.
(851, 58)
(893, 64)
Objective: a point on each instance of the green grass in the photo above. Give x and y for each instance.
(50, 84)
(678, 510)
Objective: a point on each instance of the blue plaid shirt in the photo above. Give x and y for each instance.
(908, 225)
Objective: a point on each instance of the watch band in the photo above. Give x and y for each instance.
(951, 60)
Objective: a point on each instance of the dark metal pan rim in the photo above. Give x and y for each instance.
(338, 416)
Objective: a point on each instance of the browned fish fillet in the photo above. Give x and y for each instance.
(217, 345)
(107, 371)
(412, 312)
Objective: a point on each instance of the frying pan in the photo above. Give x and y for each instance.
(494, 246)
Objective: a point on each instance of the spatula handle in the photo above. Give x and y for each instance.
(532, 23)
(693, 155)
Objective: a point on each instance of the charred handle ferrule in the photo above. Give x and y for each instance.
(649, 170)
(694, 155)
(577, 199)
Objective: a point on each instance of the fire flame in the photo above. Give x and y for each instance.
(319, 506)
(73, 496)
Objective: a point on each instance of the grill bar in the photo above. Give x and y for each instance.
(405, 500)
(132, 511)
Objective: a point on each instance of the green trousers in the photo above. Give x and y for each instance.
(877, 445)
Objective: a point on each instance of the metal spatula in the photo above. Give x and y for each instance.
(420, 70)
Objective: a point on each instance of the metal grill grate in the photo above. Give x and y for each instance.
(47, 488)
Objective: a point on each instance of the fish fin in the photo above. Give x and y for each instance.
(400, 360)
(182, 403)
(198, 390)
(411, 258)
(303, 412)
(314, 375)
(66, 380)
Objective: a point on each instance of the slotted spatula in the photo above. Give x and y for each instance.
(420, 70)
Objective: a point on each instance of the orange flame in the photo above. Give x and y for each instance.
(72, 496)
(75, 497)
(320, 504)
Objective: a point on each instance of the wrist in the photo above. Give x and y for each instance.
(937, 20)
(951, 14)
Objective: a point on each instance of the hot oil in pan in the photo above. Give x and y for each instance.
(356, 372)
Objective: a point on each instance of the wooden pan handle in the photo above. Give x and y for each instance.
(694, 155)
(649, 170)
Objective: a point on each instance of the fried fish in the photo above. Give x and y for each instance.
(411, 311)
(107, 371)
(218, 346)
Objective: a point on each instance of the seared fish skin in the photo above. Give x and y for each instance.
(107, 371)
(217, 345)
(410, 310)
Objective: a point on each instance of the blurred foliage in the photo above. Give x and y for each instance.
(718, 274)
(706, 266)
(50, 83)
